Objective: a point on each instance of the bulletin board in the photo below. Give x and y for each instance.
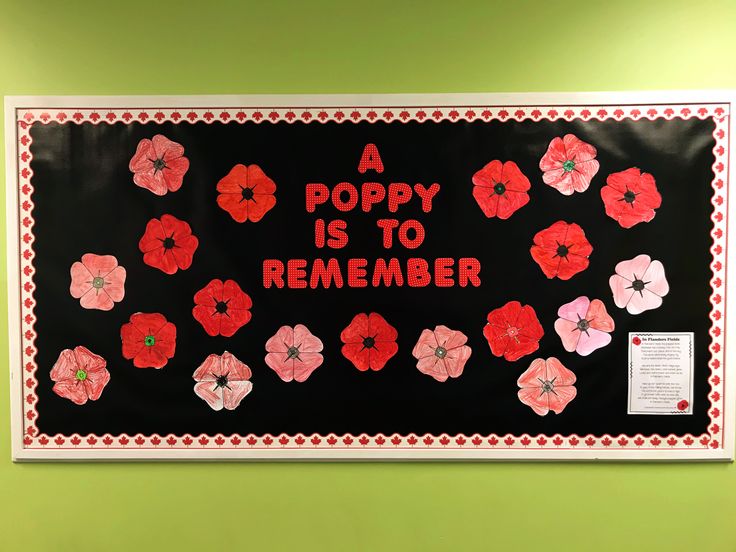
(521, 276)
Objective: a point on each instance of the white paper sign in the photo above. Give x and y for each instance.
(661, 373)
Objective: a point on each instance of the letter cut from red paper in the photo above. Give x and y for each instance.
(370, 159)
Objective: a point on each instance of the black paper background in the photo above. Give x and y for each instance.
(86, 202)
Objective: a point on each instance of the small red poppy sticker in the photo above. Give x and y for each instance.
(636, 340)
(682, 405)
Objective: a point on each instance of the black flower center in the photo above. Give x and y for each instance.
(159, 164)
(369, 342)
(638, 285)
(292, 352)
(583, 325)
(499, 188)
(440, 352)
(221, 307)
(562, 251)
(169, 243)
(221, 381)
(629, 196)
(548, 386)
(247, 193)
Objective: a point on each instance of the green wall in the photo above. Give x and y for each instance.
(165, 47)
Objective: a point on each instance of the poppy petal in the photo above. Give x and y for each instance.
(259, 182)
(209, 369)
(655, 278)
(568, 332)
(211, 393)
(72, 390)
(235, 205)
(591, 340)
(234, 392)
(598, 316)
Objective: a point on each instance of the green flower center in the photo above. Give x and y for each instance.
(499, 188)
(150, 341)
(568, 165)
(98, 283)
(440, 352)
(81, 375)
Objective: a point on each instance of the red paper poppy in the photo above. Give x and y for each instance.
(148, 339)
(223, 381)
(159, 165)
(168, 244)
(513, 331)
(246, 193)
(569, 164)
(500, 189)
(561, 250)
(79, 375)
(631, 197)
(222, 308)
(369, 341)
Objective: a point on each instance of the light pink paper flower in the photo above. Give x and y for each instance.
(294, 353)
(97, 281)
(222, 381)
(584, 325)
(569, 164)
(159, 165)
(79, 375)
(639, 284)
(547, 385)
(442, 353)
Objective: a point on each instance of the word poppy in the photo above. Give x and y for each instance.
(168, 244)
(584, 325)
(639, 284)
(79, 375)
(222, 381)
(442, 353)
(97, 281)
(547, 385)
(149, 339)
(369, 341)
(513, 331)
(561, 250)
(159, 165)
(631, 197)
(222, 307)
(294, 353)
(569, 164)
(500, 189)
(246, 193)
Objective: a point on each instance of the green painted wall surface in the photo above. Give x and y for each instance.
(165, 47)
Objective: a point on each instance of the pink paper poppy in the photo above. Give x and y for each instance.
(159, 165)
(79, 375)
(547, 385)
(584, 325)
(222, 381)
(442, 353)
(639, 284)
(569, 164)
(97, 281)
(294, 353)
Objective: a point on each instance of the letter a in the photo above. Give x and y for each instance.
(370, 160)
